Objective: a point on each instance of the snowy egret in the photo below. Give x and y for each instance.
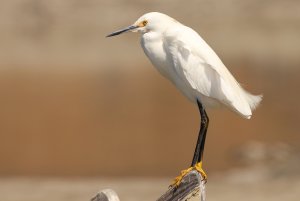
(184, 58)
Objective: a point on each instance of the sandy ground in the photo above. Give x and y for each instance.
(146, 189)
(265, 178)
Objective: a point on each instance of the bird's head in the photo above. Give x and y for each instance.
(153, 21)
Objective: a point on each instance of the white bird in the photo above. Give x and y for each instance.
(184, 58)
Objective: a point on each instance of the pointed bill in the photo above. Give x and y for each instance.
(132, 27)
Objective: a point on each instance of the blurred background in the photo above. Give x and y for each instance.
(80, 112)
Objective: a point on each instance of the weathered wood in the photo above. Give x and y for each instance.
(191, 188)
(106, 195)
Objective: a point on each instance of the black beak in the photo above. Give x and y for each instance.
(122, 31)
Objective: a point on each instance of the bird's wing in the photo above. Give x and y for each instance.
(198, 65)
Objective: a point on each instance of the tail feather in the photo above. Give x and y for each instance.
(253, 100)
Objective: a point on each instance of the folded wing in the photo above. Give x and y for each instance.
(196, 64)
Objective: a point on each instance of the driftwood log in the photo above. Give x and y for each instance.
(191, 188)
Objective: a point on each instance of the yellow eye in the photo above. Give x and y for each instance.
(145, 22)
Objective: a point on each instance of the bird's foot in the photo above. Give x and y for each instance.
(197, 167)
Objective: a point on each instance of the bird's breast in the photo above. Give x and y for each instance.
(154, 49)
(152, 45)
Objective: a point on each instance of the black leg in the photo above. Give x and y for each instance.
(198, 154)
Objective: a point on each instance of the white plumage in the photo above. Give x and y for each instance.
(183, 57)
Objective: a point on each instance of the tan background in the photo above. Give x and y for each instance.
(74, 103)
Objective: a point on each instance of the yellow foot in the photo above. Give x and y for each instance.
(197, 167)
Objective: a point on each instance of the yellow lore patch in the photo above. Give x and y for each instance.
(143, 23)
